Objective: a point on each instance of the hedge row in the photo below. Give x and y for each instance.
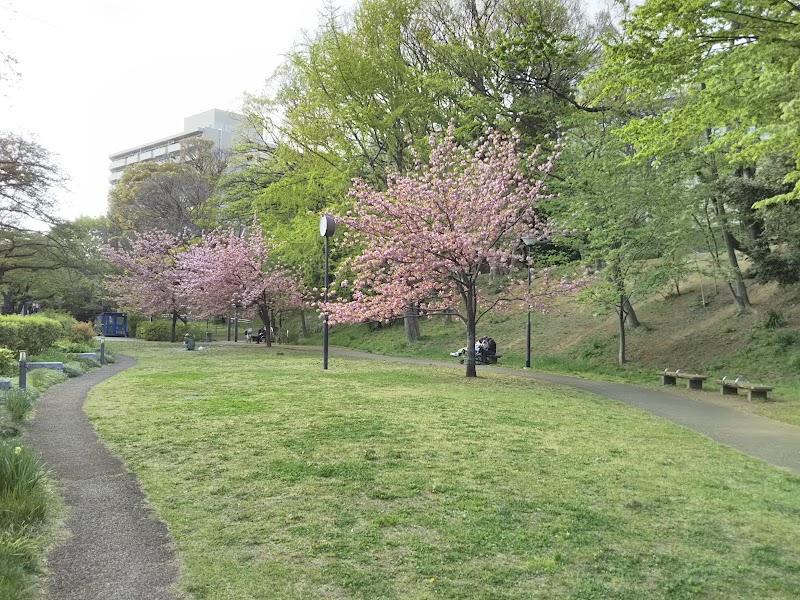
(32, 333)
(161, 330)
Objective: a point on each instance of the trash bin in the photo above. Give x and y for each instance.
(208, 336)
(188, 342)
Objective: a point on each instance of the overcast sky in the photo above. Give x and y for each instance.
(100, 76)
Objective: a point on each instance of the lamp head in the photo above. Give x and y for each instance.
(327, 226)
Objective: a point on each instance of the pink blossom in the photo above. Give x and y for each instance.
(426, 239)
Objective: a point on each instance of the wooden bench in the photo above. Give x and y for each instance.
(695, 381)
(731, 387)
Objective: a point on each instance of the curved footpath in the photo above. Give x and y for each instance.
(116, 548)
(772, 441)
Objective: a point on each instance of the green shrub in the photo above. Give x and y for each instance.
(32, 333)
(88, 363)
(22, 492)
(18, 403)
(81, 333)
(73, 348)
(41, 379)
(774, 319)
(67, 320)
(8, 362)
(73, 369)
(18, 555)
(784, 340)
(54, 354)
(159, 331)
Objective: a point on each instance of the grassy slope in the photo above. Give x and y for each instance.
(279, 480)
(677, 332)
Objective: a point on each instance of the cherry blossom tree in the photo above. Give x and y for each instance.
(228, 270)
(149, 281)
(428, 237)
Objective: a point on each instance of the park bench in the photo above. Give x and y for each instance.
(489, 360)
(695, 381)
(731, 387)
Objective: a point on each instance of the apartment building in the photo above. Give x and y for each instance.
(219, 126)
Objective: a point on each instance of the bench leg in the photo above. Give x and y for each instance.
(758, 394)
(729, 390)
(668, 380)
(695, 384)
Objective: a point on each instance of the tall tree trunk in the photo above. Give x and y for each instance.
(174, 327)
(632, 319)
(470, 304)
(621, 312)
(411, 321)
(737, 286)
(264, 314)
(303, 323)
(8, 303)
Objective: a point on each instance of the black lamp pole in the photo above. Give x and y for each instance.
(327, 227)
(528, 328)
(528, 242)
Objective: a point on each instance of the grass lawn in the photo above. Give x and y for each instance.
(376, 480)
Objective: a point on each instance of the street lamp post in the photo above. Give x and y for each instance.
(529, 242)
(327, 227)
(23, 370)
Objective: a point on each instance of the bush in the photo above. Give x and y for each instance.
(73, 369)
(160, 331)
(89, 363)
(67, 320)
(81, 333)
(74, 348)
(18, 403)
(784, 340)
(8, 362)
(18, 557)
(774, 319)
(22, 493)
(41, 379)
(33, 333)
(54, 354)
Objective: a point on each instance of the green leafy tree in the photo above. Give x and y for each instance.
(168, 196)
(723, 76)
(627, 220)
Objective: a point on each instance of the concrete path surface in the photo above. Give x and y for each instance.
(772, 441)
(116, 549)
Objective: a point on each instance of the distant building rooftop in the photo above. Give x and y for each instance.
(219, 126)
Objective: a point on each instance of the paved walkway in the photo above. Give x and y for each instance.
(772, 441)
(116, 549)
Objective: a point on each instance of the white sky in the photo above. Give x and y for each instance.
(99, 76)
